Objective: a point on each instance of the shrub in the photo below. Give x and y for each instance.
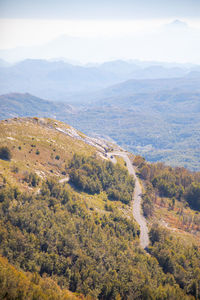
(5, 153)
(193, 196)
(15, 169)
(147, 206)
(32, 178)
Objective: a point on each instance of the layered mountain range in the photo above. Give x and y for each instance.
(158, 118)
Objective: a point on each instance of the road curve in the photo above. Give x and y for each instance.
(138, 216)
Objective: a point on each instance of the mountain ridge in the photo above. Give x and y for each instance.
(61, 81)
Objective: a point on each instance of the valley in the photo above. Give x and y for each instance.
(154, 114)
(161, 126)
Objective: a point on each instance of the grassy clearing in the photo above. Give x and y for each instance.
(182, 221)
(120, 161)
(38, 147)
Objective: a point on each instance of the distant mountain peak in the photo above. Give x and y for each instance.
(178, 24)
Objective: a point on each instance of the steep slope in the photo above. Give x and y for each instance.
(15, 284)
(79, 233)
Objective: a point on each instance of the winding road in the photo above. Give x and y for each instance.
(138, 216)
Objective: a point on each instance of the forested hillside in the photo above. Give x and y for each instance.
(17, 284)
(66, 221)
(171, 202)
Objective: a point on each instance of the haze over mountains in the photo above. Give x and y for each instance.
(158, 118)
(57, 80)
(172, 40)
(149, 108)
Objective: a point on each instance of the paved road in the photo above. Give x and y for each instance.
(138, 216)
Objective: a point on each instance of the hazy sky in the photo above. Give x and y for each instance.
(92, 9)
(36, 22)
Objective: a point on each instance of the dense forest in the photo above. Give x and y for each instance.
(16, 284)
(54, 234)
(175, 258)
(93, 176)
(178, 183)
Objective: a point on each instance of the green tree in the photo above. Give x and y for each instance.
(5, 153)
